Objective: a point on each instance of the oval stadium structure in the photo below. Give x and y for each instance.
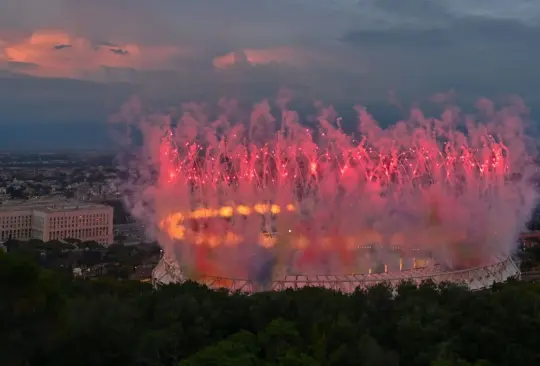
(501, 269)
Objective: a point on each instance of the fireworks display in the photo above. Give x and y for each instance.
(268, 195)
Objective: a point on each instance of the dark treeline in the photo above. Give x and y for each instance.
(48, 318)
(115, 261)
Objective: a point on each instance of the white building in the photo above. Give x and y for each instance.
(48, 219)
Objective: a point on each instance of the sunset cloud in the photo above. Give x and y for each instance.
(278, 55)
(67, 60)
(55, 53)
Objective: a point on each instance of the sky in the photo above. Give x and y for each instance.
(66, 65)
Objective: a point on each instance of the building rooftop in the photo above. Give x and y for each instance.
(48, 205)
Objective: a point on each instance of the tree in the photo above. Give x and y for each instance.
(277, 338)
(48, 319)
(224, 353)
(30, 307)
(90, 245)
(295, 358)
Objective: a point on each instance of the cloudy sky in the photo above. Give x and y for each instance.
(75, 61)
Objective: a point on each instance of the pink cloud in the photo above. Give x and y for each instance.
(291, 56)
(56, 53)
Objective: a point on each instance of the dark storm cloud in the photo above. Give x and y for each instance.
(471, 31)
(472, 54)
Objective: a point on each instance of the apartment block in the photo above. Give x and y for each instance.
(55, 220)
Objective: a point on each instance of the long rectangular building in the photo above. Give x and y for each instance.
(49, 219)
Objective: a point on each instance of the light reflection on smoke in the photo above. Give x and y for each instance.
(268, 194)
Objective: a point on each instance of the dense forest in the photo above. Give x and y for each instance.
(50, 318)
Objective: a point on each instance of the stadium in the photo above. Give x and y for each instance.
(502, 269)
(414, 266)
(260, 205)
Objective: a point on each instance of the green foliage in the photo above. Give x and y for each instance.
(48, 319)
(224, 353)
(30, 305)
(95, 260)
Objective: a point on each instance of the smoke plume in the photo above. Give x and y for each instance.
(258, 193)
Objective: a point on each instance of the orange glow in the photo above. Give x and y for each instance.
(231, 239)
(267, 241)
(226, 211)
(49, 37)
(275, 209)
(176, 229)
(261, 208)
(213, 241)
(174, 223)
(367, 238)
(55, 53)
(284, 55)
(243, 210)
(203, 213)
(301, 242)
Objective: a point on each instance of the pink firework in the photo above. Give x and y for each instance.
(263, 196)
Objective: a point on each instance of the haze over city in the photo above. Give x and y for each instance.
(67, 65)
